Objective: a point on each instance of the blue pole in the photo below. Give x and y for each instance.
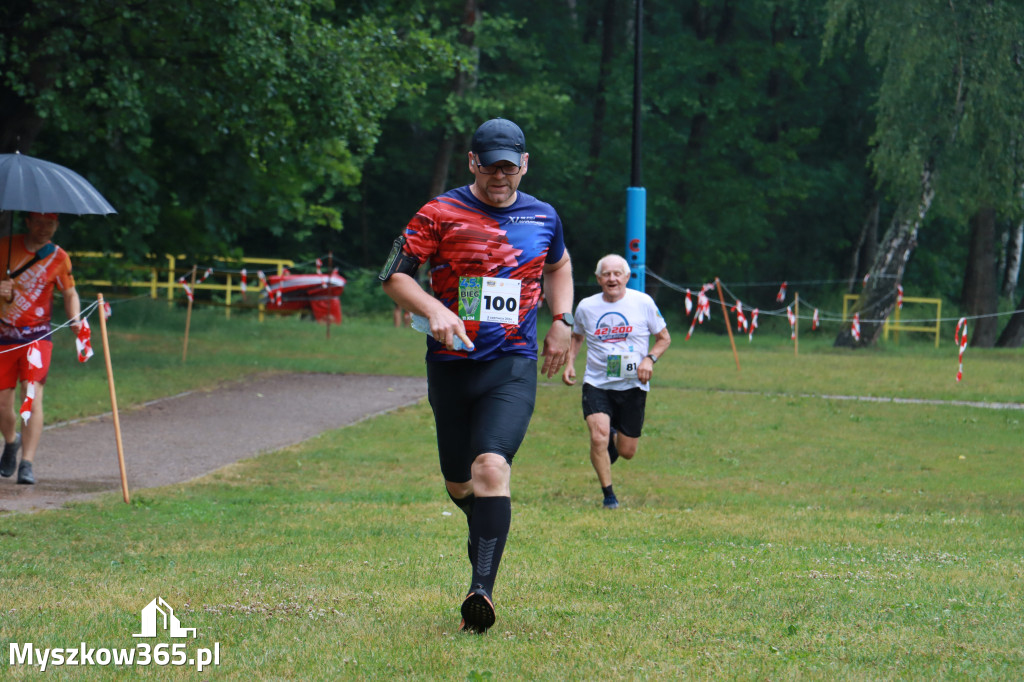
(636, 195)
(636, 236)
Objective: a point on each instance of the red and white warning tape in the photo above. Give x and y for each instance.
(961, 342)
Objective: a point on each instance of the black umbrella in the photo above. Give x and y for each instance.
(31, 184)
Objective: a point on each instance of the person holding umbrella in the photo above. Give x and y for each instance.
(34, 267)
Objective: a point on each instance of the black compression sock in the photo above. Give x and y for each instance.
(465, 504)
(607, 490)
(488, 532)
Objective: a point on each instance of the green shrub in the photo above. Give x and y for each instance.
(363, 294)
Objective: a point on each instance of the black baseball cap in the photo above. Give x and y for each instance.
(499, 140)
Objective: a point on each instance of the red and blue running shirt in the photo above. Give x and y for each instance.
(470, 244)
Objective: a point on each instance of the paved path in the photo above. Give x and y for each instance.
(187, 436)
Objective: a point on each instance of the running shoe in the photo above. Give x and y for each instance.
(10, 457)
(25, 474)
(611, 502)
(477, 611)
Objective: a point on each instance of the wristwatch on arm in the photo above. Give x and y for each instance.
(567, 318)
(653, 358)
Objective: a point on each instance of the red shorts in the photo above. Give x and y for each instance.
(14, 365)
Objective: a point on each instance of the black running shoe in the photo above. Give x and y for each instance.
(477, 611)
(613, 452)
(10, 457)
(25, 474)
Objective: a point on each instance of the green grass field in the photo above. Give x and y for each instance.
(766, 532)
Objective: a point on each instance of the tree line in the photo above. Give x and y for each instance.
(822, 140)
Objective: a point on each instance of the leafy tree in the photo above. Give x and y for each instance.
(948, 128)
(745, 136)
(502, 71)
(210, 125)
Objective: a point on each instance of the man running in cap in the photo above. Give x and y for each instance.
(487, 246)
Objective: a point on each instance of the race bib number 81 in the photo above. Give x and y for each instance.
(489, 299)
(622, 366)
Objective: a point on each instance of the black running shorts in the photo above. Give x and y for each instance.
(626, 408)
(480, 407)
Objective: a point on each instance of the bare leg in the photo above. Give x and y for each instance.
(8, 419)
(626, 445)
(600, 427)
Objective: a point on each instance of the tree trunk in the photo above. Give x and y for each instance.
(980, 296)
(879, 296)
(609, 28)
(462, 82)
(1013, 333)
(1013, 249)
(867, 246)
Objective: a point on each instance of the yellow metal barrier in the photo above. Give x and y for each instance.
(894, 324)
(155, 282)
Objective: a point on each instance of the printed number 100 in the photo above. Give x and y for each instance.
(500, 303)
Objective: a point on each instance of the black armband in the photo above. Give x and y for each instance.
(399, 261)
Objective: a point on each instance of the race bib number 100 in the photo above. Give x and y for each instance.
(489, 299)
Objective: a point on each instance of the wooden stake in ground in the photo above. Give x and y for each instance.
(113, 397)
(728, 327)
(188, 316)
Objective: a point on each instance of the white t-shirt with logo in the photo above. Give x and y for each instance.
(618, 336)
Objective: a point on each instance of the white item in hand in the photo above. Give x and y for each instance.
(421, 324)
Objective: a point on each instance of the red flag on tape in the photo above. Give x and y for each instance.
(703, 306)
(781, 296)
(741, 320)
(34, 357)
(26, 405)
(961, 341)
(83, 342)
(188, 290)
